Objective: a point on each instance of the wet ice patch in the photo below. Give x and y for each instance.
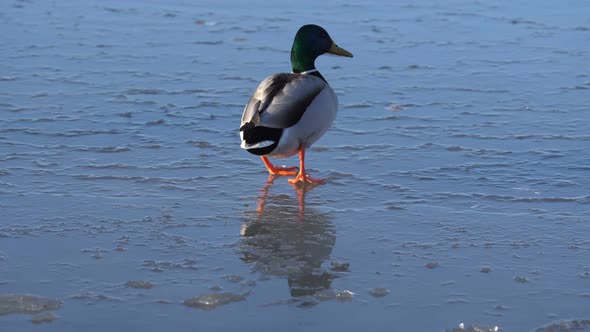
(582, 325)
(431, 265)
(474, 328)
(96, 253)
(43, 318)
(325, 295)
(340, 266)
(233, 278)
(139, 284)
(379, 292)
(344, 296)
(160, 266)
(26, 304)
(212, 301)
(485, 269)
(92, 297)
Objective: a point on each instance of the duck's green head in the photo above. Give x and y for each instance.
(310, 42)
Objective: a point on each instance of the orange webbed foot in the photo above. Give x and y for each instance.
(305, 179)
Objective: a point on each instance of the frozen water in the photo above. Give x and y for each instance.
(461, 144)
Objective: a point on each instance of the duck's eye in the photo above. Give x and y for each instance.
(324, 34)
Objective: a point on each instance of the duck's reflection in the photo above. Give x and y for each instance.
(283, 238)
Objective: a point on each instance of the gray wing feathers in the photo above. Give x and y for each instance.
(281, 99)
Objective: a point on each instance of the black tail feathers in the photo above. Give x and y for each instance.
(253, 134)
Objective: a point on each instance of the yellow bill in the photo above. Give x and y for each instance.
(339, 51)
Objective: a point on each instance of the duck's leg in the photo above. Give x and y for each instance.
(276, 170)
(302, 176)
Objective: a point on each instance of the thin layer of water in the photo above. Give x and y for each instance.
(457, 168)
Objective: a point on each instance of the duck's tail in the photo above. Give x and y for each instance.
(259, 140)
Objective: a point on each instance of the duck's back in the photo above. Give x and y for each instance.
(286, 111)
(281, 99)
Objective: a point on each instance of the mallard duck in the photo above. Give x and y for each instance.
(288, 112)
